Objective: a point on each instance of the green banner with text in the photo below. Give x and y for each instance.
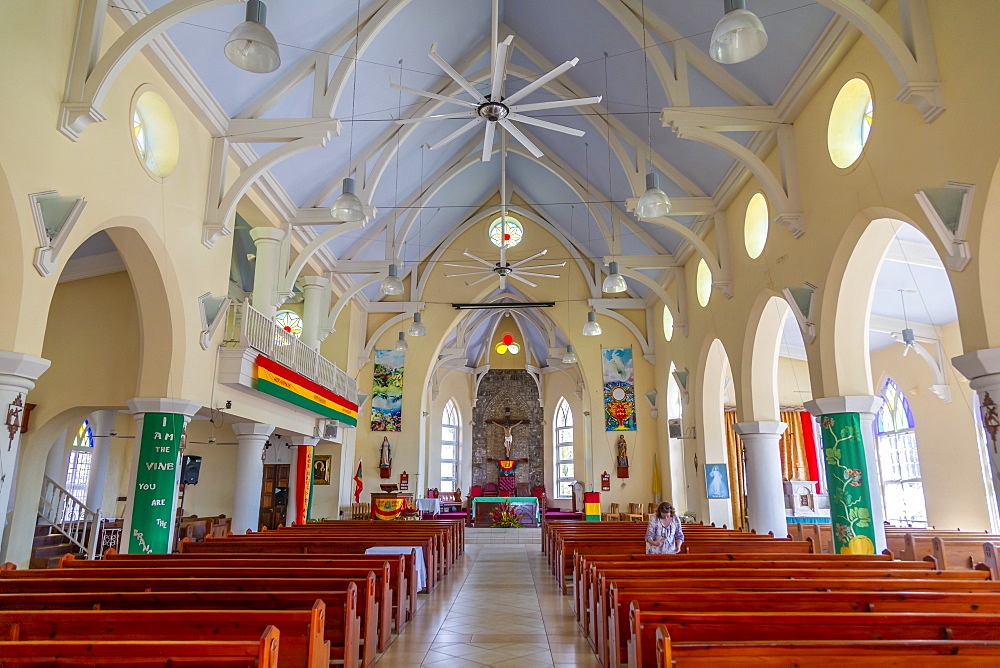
(155, 493)
(847, 477)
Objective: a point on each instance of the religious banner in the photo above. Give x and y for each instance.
(387, 391)
(303, 484)
(283, 383)
(592, 506)
(619, 389)
(506, 466)
(388, 508)
(847, 478)
(155, 493)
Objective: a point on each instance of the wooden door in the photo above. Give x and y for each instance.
(274, 495)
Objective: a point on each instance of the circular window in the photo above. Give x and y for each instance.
(703, 283)
(154, 133)
(668, 324)
(851, 121)
(755, 226)
(506, 232)
(291, 326)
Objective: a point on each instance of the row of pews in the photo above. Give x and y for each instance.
(300, 596)
(734, 598)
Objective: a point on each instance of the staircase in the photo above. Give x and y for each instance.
(65, 526)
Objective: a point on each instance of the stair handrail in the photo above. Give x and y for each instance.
(57, 503)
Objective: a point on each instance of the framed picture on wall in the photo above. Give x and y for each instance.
(321, 469)
(717, 481)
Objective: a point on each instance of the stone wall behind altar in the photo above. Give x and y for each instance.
(501, 389)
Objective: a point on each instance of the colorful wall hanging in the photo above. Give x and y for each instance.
(154, 497)
(619, 389)
(387, 507)
(592, 506)
(847, 478)
(387, 391)
(506, 466)
(283, 383)
(303, 484)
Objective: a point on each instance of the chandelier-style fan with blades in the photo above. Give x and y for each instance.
(494, 108)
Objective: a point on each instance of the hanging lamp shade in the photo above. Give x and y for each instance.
(401, 342)
(250, 45)
(654, 203)
(592, 327)
(738, 36)
(347, 207)
(614, 282)
(569, 357)
(391, 285)
(417, 327)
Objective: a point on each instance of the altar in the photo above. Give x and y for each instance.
(388, 506)
(482, 506)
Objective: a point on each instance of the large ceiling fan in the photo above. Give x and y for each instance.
(494, 108)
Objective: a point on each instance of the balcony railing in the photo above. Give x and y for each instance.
(246, 327)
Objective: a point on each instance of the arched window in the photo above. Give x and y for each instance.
(565, 473)
(449, 448)
(898, 460)
(78, 468)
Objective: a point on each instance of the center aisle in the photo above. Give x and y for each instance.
(499, 606)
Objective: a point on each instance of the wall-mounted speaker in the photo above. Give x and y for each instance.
(190, 469)
(674, 428)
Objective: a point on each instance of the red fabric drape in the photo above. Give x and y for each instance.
(809, 439)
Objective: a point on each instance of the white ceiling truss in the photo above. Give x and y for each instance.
(909, 52)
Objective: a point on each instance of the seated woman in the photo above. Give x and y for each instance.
(664, 534)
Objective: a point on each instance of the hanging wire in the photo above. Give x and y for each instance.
(607, 120)
(645, 73)
(395, 197)
(354, 86)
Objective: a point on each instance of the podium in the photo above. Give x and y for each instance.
(388, 506)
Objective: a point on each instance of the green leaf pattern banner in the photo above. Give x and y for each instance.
(155, 494)
(847, 476)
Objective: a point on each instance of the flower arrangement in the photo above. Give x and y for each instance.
(409, 513)
(505, 515)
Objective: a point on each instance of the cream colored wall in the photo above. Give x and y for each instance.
(793, 382)
(954, 487)
(458, 387)
(213, 495)
(557, 385)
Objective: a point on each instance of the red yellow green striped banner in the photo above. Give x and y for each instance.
(283, 383)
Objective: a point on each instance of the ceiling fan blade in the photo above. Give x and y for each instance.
(456, 134)
(540, 81)
(463, 266)
(519, 136)
(500, 68)
(479, 259)
(906, 349)
(523, 280)
(530, 258)
(436, 117)
(484, 278)
(545, 266)
(556, 104)
(491, 128)
(533, 273)
(521, 118)
(458, 78)
(469, 273)
(433, 96)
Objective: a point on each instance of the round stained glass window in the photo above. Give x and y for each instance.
(290, 324)
(668, 324)
(851, 120)
(703, 283)
(755, 226)
(154, 133)
(501, 349)
(513, 349)
(506, 232)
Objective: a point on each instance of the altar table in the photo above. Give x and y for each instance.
(429, 505)
(483, 505)
(419, 565)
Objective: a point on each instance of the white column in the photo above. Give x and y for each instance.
(249, 475)
(982, 368)
(765, 495)
(265, 273)
(18, 373)
(867, 408)
(315, 308)
(103, 423)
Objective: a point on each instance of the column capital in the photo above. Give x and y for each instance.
(313, 281)
(978, 363)
(299, 439)
(766, 427)
(19, 371)
(252, 429)
(852, 404)
(142, 405)
(266, 234)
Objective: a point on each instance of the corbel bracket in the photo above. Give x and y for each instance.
(948, 210)
(55, 217)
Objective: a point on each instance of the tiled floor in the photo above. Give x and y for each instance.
(523, 536)
(498, 607)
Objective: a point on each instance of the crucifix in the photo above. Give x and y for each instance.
(508, 426)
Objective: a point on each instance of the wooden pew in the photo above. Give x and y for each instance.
(367, 608)
(302, 641)
(342, 626)
(259, 653)
(824, 652)
(918, 543)
(957, 553)
(757, 626)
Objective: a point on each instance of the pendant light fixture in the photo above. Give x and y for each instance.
(738, 36)
(654, 203)
(391, 285)
(592, 327)
(417, 327)
(347, 208)
(401, 342)
(614, 282)
(250, 45)
(569, 357)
